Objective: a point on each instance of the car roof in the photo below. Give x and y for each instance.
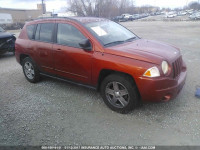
(83, 20)
(88, 19)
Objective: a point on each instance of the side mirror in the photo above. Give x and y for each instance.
(86, 45)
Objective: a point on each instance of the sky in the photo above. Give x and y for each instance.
(164, 3)
(60, 5)
(51, 5)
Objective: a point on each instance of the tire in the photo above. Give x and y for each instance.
(119, 93)
(30, 70)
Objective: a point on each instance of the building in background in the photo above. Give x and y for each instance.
(42, 7)
(22, 15)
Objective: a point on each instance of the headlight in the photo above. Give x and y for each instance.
(152, 72)
(165, 67)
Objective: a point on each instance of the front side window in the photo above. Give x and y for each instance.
(30, 31)
(44, 32)
(69, 35)
(110, 33)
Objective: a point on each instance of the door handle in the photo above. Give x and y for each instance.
(58, 49)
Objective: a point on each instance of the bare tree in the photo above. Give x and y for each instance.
(101, 8)
(194, 5)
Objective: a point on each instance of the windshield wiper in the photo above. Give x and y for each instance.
(130, 39)
(115, 42)
(119, 42)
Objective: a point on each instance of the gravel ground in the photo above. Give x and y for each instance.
(54, 112)
(163, 18)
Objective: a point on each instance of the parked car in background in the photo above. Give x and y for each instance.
(117, 18)
(5, 18)
(122, 18)
(195, 16)
(7, 42)
(101, 54)
(144, 15)
(191, 11)
(153, 13)
(170, 14)
(126, 17)
(158, 13)
(182, 13)
(135, 16)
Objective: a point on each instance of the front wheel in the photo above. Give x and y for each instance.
(119, 93)
(30, 70)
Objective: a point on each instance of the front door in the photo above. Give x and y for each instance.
(70, 60)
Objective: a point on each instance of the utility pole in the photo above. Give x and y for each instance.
(43, 7)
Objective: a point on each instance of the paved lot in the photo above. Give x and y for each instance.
(54, 112)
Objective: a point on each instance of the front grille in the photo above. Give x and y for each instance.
(177, 66)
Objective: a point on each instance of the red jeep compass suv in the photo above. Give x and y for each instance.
(102, 54)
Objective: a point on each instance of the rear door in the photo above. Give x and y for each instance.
(43, 45)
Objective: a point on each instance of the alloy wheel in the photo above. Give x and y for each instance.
(29, 70)
(117, 94)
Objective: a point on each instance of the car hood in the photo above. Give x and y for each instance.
(145, 50)
(5, 34)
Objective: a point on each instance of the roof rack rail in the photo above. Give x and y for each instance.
(75, 19)
(54, 17)
(57, 17)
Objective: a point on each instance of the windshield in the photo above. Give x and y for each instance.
(110, 33)
(1, 29)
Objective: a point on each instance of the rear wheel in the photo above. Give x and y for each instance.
(30, 70)
(119, 93)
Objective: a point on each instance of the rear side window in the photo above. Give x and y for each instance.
(30, 31)
(44, 32)
(69, 35)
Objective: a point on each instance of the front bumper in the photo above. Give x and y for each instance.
(162, 88)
